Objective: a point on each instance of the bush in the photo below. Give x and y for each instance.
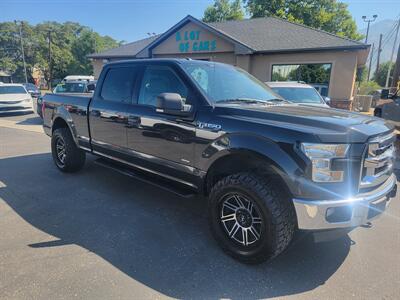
(368, 87)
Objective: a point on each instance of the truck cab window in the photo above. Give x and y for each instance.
(118, 84)
(157, 80)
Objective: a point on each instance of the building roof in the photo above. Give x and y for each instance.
(259, 35)
(127, 50)
(272, 34)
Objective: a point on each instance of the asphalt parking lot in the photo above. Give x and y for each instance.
(98, 234)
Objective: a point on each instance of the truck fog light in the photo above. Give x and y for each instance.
(339, 214)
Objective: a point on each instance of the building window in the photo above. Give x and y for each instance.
(317, 75)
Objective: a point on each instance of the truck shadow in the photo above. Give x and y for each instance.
(32, 120)
(156, 238)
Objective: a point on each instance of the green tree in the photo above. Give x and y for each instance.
(362, 73)
(368, 87)
(313, 73)
(70, 45)
(330, 15)
(223, 10)
(380, 77)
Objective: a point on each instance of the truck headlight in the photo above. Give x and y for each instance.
(321, 156)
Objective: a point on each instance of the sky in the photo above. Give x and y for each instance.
(130, 20)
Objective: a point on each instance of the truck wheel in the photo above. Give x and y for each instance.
(248, 218)
(66, 155)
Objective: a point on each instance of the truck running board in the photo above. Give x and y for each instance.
(155, 180)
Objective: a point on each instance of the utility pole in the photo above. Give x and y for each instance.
(22, 47)
(379, 54)
(391, 56)
(50, 69)
(396, 72)
(368, 21)
(370, 61)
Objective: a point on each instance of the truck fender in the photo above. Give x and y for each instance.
(62, 113)
(267, 150)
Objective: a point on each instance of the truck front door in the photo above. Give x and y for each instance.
(161, 142)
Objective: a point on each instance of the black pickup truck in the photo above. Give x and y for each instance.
(268, 167)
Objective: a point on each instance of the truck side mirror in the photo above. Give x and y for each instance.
(327, 100)
(172, 104)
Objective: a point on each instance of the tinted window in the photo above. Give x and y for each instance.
(157, 80)
(118, 84)
(70, 87)
(223, 82)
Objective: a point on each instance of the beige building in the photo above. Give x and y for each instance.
(271, 49)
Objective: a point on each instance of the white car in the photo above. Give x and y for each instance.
(14, 98)
(299, 93)
(78, 78)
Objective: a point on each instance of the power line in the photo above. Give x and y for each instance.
(386, 39)
(391, 56)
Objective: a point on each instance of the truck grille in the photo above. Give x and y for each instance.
(378, 162)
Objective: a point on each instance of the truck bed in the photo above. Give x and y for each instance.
(70, 107)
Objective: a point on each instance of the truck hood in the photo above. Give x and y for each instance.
(328, 124)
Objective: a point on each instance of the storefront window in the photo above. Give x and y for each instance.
(317, 75)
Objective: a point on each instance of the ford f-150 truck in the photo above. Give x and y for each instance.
(268, 167)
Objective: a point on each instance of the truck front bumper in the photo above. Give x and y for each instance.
(356, 211)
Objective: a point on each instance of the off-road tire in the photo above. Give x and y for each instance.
(278, 226)
(74, 157)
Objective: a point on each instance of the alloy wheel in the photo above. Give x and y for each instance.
(241, 219)
(61, 150)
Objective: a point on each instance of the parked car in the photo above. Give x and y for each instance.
(14, 98)
(78, 78)
(36, 94)
(72, 87)
(389, 109)
(267, 167)
(32, 89)
(298, 92)
(321, 88)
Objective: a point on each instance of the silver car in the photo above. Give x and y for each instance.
(14, 98)
(299, 93)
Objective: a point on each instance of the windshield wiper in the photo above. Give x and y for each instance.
(251, 100)
(233, 100)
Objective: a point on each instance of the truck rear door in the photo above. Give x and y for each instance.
(108, 109)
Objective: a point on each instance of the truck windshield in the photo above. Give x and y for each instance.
(12, 90)
(70, 87)
(299, 95)
(224, 83)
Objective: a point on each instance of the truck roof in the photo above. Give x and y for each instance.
(155, 60)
